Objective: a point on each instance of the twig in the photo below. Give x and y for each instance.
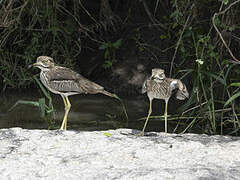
(179, 40)
(176, 117)
(194, 108)
(21, 10)
(171, 118)
(154, 21)
(219, 33)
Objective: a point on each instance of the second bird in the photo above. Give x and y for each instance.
(158, 86)
(64, 81)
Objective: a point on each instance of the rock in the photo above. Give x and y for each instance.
(116, 154)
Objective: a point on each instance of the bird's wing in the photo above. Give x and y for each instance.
(182, 92)
(88, 86)
(144, 85)
(66, 80)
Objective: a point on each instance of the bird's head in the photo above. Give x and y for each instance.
(44, 63)
(158, 74)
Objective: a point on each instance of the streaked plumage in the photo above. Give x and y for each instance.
(158, 86)
(64, 81)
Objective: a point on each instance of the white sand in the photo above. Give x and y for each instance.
(43, 154)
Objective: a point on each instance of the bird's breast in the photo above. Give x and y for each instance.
(45, 79)
(158, 90)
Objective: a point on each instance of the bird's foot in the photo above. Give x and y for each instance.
(63, 128)
(164, 134)
(141, 133)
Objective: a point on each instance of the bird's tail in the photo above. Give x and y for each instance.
(108, 94)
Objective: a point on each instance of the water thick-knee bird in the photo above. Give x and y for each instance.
(64, 81)
(158, 86)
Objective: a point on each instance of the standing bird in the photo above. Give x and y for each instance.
(64, 81)
(159, 87)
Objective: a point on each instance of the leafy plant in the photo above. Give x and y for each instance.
(30, 29)
(46, 111)
(110, 52)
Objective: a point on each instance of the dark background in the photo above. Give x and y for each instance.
(116, 43)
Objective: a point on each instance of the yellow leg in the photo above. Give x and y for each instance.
(149, 113)
(165, 114)
(67, 108)
(65, 105)
(64, 101)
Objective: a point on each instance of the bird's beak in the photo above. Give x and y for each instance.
(32, 65)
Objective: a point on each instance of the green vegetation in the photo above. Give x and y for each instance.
(46, 111)
(110, 52)
(197, 41)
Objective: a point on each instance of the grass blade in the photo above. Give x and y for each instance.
(41, 86)
(123, 106)
(232, 98)
(42, 107)
(33, 103)
(235, 84)
(216, 77)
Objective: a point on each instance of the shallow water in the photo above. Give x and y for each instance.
(88, 112)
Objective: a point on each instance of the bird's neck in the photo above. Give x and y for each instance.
(157, 79)
(46, 69)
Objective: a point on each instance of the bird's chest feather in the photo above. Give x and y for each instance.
(45, 79)
(158, 89)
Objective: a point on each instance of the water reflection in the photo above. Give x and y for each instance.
(88, 112)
